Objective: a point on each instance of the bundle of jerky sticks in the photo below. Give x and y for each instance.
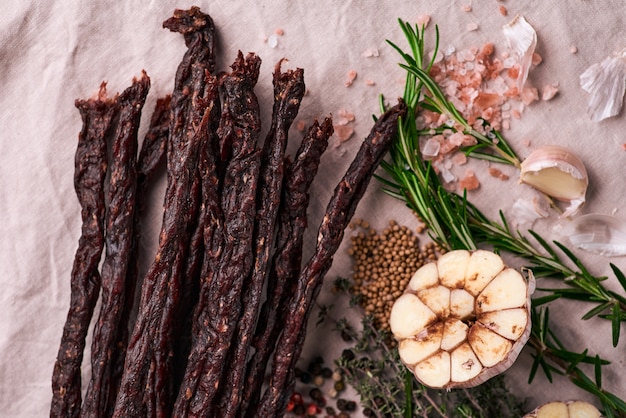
(227, 297)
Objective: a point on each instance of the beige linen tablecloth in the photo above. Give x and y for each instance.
(53, 52)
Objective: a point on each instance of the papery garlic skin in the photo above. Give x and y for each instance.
(606, 83)
(522, 39)
(559, 173)
(567, 409)
(596, 233)
(462, 319)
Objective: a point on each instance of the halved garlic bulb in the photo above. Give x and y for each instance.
(462, 319)
(559, 173)
(567, 409)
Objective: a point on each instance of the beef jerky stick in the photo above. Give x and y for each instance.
(90, 172)
(239, 127)
(285, 266)
(118, 241)
(339, 211)
(151, 156)
(288, 92)
(207, 184)
(146, 385)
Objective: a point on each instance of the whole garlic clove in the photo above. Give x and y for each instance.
(559, 173)
(462, 319)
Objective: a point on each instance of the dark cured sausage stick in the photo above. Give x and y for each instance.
(285, 266)
(217, 319)
(146, 388)
(118, 241)
(339, 211)
(89, 177)
(151, 157)
(288, 92)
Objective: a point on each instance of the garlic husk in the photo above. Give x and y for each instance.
(605, 82)
(559, 173)
(565, 409)
(600, 234)
(522, 39)
(462, 319)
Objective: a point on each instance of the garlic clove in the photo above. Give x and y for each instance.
(409, 315)
(454, 338)
(605, 82)
(426, 276)
(596, 233)
(559, 173)
(567, 409)
(522, 39)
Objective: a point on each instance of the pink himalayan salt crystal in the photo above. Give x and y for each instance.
(549, 91)
(471, 27)
(494, 172)
(351, 76)
(300, 125)
(343, 132)
(279, 32)
(503, 10)
(469, 181)
(459, 158)
(466, 8)
(529, 95)
(536, 59)
(345, 116)
(369, 82)
(422, 20)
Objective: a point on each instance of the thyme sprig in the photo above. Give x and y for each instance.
(455, 223)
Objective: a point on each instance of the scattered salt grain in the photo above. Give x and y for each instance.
(529, 95)
(503, 11)
(345, 117)
(471, 27)
(469, 181)
(272, 41)
(300, 125)
(369, 82)
(573, 49)
(494, 172)
(430, 148)
(371, 52)
(422, 20)
(466, 8)
(549, 91)
(279, 32)
(459, 158)
(343, 132)
(537, 59)
(350, 77)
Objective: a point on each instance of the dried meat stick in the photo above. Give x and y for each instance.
(285, 266)
(146, 385)
(217, 319)
(89, 177)
(151, 156)
(208, 188)
(289, 89)
(118, 244)
(339, 211)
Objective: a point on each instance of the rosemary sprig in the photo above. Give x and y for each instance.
(417, 70)
(455, 223)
